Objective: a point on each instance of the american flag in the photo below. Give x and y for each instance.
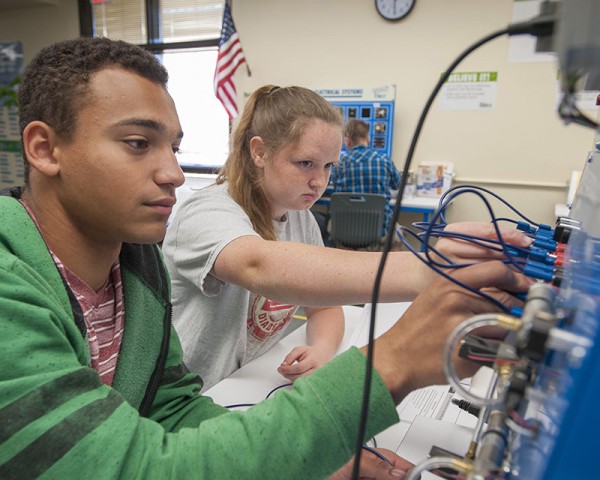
(230, 57)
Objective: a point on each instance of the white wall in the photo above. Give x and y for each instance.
(521, 144)
(520, 149)
(39, 26)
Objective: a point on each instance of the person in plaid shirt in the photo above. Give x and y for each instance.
(363, 170)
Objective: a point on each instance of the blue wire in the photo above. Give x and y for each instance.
(439, 214)
(425, 225)
(489, 192)
(504, 219)
(483, 242)
(435, 229)
(452, 279)
(377, 454)
(449, 263)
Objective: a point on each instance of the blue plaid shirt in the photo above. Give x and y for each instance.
(363, 170)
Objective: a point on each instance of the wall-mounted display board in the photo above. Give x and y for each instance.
(11, 159)
(372, 105)
(11, 61)
(11, 66)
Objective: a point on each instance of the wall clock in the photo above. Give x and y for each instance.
(394, 10)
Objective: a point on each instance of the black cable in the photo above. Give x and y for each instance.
(389, 242)
(241, 405)
(277, 388)
(467, 406)
(537, 26)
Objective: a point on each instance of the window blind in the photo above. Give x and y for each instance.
(178, 20)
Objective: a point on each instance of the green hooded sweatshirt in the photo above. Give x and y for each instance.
(58, 420)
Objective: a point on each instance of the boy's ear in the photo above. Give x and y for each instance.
(257, 151)
(39, 142)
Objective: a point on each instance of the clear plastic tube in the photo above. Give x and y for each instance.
(432, 463)
(481, 420)
(478, 321)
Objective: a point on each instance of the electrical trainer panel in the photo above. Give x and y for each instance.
(539, 417)
(542, 420)
(560, 401)
(374, 106)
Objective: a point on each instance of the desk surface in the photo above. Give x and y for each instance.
(253, 382)
(426, 203)
(420, 202)
(426, 415)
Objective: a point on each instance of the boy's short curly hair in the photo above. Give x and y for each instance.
(55, 83)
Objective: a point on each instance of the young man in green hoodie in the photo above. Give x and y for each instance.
(92, 383)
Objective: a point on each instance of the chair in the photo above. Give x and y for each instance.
(356, 219)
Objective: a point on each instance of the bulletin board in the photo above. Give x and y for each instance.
(11, 158)
(372, 105)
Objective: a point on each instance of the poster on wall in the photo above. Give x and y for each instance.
(11, 67)
(372, 105)
(469, 91)
(11, 61)
(11, 160)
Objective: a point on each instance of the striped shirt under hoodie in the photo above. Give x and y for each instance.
(103, 314)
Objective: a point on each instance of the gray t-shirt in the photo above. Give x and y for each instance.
(223, 326)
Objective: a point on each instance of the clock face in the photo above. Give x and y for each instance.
(394, 9)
